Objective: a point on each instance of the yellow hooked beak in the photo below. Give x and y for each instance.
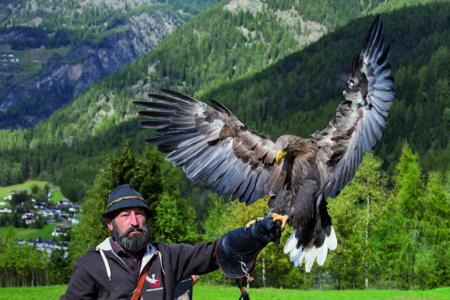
(280, 156)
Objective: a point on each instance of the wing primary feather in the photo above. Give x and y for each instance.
(155, 105)
(370, 35)
(154, 114)
(176, 101)
(220, 107)
(180, 96)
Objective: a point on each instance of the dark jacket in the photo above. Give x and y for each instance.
(101, 274)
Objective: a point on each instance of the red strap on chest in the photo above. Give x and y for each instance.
(137, 291)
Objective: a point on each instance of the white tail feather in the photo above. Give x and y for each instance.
(308, 255)
(309, 258)
(290, 243)
(331, 240)
(322, 255)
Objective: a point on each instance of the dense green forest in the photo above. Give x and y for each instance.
(389, 237)
(392, 220)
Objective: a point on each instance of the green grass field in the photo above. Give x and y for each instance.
(203, 291)
(56, 194)
(30, 234)
(5, 190)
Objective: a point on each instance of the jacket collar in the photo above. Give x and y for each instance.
(149, 253)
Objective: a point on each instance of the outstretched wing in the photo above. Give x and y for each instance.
(361, 116)
(213, 146)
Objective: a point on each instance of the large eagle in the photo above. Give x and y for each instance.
(214, 148)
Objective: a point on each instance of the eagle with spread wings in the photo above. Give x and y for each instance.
(297, 174)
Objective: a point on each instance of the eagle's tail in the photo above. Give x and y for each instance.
(309, 254)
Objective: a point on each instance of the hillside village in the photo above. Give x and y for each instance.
(63, 215)
(6, 58)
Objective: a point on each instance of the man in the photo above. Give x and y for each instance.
(114, 268)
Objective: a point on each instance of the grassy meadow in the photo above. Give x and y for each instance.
(30, 233)
(204, 291)
(26, 186)
(5, 190)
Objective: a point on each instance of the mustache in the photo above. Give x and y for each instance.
(135, 228)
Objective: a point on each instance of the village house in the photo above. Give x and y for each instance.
(46, 213)
(55, 209)
(39, 205)
(74, 220)
(74, 208)
(6, 210)
(13, 192)
(63, 202)
(47, 245)
(28, 217)
(8, 57)
(60, 230)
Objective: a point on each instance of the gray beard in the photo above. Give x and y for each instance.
(134, 243)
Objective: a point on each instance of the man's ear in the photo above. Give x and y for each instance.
(109, 223)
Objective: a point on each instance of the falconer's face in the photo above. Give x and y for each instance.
(129, 229)
(129, 219)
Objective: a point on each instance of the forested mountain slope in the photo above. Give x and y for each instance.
(53, 50)
(235, 39)
(298, 94)
(66, 46)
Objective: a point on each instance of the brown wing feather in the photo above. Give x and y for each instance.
(212, 146)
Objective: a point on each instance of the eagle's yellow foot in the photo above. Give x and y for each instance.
(275, 217)
(282, 218)
(254, 221)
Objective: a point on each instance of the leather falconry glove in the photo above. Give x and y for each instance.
(238, 249)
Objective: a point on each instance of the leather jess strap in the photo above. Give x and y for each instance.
(137, 291)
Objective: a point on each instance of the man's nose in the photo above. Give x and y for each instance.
(134, 219)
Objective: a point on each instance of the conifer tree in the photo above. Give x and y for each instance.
(356, 212)
(143, 175)
(409, 190)
(434, 227)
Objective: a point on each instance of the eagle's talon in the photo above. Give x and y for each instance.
(282, 218)
(253, 221)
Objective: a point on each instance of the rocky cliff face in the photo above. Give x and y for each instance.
(27, 98)
(63, 77)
